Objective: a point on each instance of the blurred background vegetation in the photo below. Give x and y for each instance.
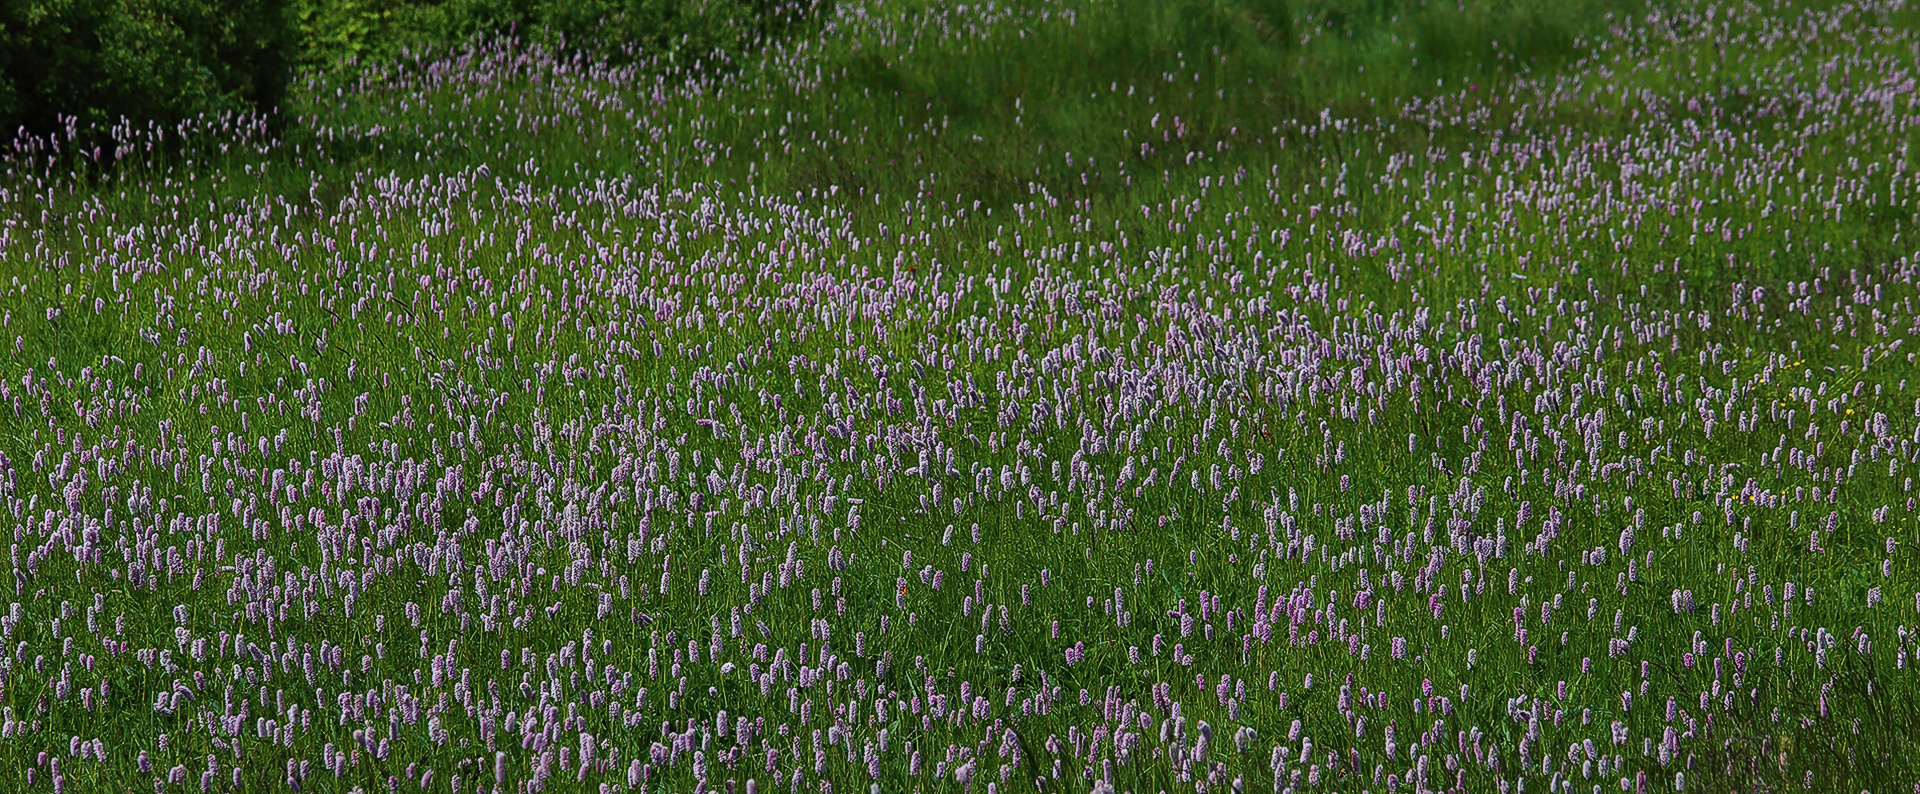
(335, 33)
(77, 65)
(81, 64)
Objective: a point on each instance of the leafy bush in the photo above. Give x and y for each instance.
(86, 64)
(77, 67)
(340, 31)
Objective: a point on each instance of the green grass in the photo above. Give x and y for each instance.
(540, 275)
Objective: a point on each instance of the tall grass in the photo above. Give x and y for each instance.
(1429, 263)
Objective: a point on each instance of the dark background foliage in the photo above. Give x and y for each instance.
(343, 32)
(73, 68)
(85, 63)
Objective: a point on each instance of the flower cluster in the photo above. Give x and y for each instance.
(1549, 434)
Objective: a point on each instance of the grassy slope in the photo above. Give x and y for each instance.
(899, 105)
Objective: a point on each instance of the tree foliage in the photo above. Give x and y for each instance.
(83, 65)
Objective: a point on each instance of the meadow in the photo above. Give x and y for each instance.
(1052, 395)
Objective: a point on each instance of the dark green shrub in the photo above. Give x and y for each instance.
(95, 62)
(339, 31)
